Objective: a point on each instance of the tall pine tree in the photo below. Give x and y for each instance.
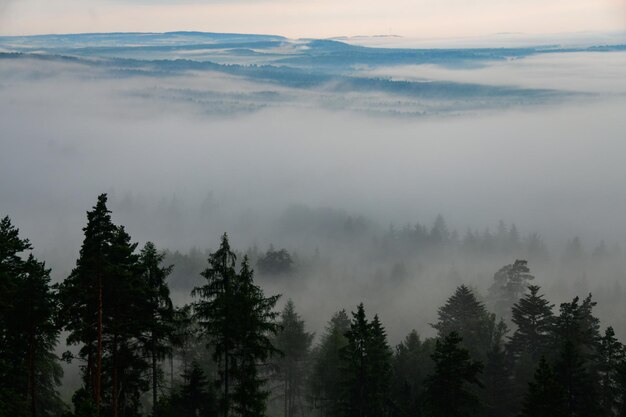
(449, 390)
(295, 344)
(238, 321)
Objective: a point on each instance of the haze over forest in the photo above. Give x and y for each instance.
(390, 172)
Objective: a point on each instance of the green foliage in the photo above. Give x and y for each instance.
(237, 320)
(29, 370)
(275, 262)
(325, 381)
(160, 311)
(366, 368)
(509, 284)
(534, 319)
(580, 392)
(292, 366)
(448, 388)
(465, 315)
(545, 396)
(411, 365)
(611, 355)
(115, 305)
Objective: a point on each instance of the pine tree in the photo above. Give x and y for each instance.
(238, 320)
(621, 389)
(580, 395)
(498, 390)
(576, 338)
(411, 365)
(448, 389)
(379, 357)
(510, 283)
(256, 325)
(125, 321)
(545, 396)
(325, 382)
(366, 370)
(577, 325)
(534, 319)
(29, 370)
(103, 308)
(82, 295)
(196, 397)
(611, 354)
(217, 313)
(12, 385)
(468, 317)
(160, 312)
(295, 344)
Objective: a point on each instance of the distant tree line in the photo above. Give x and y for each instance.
(231, 353)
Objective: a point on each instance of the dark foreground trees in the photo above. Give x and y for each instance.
(238, 322)
(450, 389)
(292, 365)
(115, 306)
(29, 369)
(225, 353)
(366, 368)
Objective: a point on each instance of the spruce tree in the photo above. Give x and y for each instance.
(545, 396)
(497, 395)
(29, 369)
(464, 314)
(160, 312)
(196, 396)
(449, 390)
(216, 312)
(366, 369)
(380, 371)
(534, 319)
(610, 356)
(295, 344)
(125, 321)
(577, 325)
(12, 386)
(256, 325)
(572, 373)
(411, 365)
(238, 321)
(325, 381)
(621, 389)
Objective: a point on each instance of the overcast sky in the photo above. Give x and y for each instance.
(314, 18)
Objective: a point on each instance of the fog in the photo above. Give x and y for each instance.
(186, 156)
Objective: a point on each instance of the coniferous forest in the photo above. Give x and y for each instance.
(232, 351)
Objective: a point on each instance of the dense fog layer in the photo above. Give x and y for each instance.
(190, 155)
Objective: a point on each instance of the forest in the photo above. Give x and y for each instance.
(232, 352)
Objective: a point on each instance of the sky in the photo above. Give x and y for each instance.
(315, 18)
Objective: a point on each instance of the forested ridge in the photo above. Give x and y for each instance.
(232, 352)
